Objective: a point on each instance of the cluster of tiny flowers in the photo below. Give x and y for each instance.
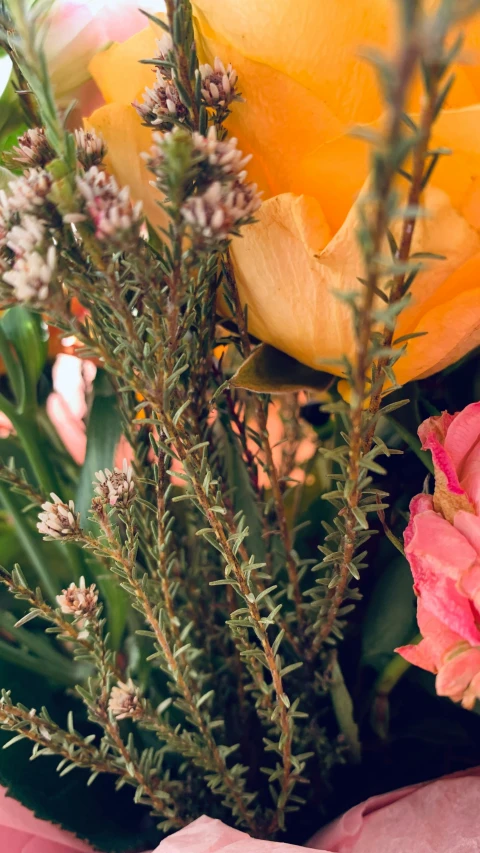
(59, 520)
(116, 487)
(124, 700)
(28, 258)
(33, 149)
(218, 84)
(220, 211)
(91, 148)
(220, 160)
(79, 601)
(162, 102)
(32, 274)
(109, 207)
(34, 263)
(29, 193)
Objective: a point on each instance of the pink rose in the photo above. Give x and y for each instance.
(454, 442)
(77, 30)
(442, 545)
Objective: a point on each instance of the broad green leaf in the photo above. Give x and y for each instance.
(103, 433)
(11, 116)
(269, 370)
(26, 331)
(390, 618)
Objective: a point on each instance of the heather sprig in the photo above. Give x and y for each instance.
(226, 630)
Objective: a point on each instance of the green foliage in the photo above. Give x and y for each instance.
(270, 371)
(211, 682)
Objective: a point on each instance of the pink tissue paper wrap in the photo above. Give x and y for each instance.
(436, 817)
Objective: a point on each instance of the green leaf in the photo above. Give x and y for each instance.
(11, 115)
(103, 434)
(269, 370)
(26, 331)
(390, 618)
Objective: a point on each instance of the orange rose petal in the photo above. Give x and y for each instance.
(443, 232)
(453, 330)
(317, 44)
(126, 139)
(118, 72)
(280, 122)
(288, 290)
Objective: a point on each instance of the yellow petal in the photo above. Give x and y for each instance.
(287, 289)
(126, 139)
(314, 42)
(453, 330)
(118, 72)
(298, 145)
(288, 272)
(444, 232)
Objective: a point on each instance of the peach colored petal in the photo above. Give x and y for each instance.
(455, 675)
(439, 555)
(118, 72)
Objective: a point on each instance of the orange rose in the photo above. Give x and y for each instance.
(304, 86)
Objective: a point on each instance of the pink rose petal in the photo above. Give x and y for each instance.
(438, 817)
(22, 832)
(206, 835)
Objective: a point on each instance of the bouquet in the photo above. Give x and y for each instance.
(239, 476)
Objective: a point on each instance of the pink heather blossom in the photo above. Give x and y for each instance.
(442, 545)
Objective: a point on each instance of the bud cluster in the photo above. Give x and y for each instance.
(218, 198)
(220, 211)
(79, 601)
(162, 105)
(116, 487)
(109, 207)
(218, 86)
(32, 149)
(91, 148)
(124, 700)
(59, 520)
(28, 255)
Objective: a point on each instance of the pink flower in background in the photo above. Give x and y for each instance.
(442, 545)
(77, 30)
(67, 405)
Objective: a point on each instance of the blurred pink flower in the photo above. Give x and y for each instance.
(67, 405)
(77, 30)
(442, 545)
